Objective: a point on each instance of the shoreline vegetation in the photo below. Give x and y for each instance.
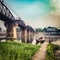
(17, 51)
(50, 51)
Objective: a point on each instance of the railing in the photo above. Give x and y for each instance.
(5, 11)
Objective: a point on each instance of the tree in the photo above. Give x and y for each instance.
(45, 29)
(38, 30)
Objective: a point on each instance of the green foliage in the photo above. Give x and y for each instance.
(50, 51)
(38, 30)
(17, 51)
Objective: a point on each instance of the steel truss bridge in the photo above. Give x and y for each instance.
(11, 23)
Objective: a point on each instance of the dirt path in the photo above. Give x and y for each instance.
(40, 55)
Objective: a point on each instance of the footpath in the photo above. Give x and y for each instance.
(41, 53)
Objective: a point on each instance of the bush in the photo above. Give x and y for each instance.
(50, 51)
(17, 51)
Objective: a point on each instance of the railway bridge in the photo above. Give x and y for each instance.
(25, 33)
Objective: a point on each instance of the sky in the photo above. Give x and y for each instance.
(36, 13)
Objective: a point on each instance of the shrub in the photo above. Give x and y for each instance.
(50, 51)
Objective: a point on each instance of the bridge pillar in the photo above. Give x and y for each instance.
(24, 36)
(30, 36)
(11, 32)
(18, 33)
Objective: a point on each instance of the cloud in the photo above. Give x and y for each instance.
(55, 4)
(53, 18)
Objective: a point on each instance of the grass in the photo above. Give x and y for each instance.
(17, 51)
(51, 48)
